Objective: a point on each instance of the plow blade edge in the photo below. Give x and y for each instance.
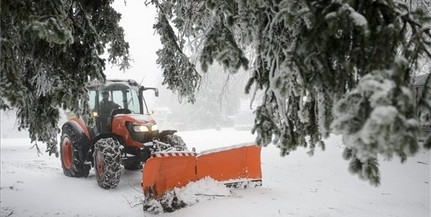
(231, 165)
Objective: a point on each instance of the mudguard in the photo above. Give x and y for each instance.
(80, 126)
(165, 171)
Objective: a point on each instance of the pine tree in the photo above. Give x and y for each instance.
(49, 51)
(341, 66)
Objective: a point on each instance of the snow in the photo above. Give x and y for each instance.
(295, 185)
(215, 150)
(358, 19)
(202, 190)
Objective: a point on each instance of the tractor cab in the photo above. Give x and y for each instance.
(116, 97)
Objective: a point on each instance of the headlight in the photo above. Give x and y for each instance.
(95, 114)
(154, 127)
(140, 128)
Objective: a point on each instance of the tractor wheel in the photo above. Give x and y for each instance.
(72, 160)
(176, 142)
(107, 162)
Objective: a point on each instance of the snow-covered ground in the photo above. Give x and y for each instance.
(296, 185)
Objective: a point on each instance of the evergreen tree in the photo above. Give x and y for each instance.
(341, 66)
(49, 51)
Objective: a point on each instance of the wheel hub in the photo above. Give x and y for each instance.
(67, 153)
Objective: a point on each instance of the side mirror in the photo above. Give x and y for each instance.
(156, 91)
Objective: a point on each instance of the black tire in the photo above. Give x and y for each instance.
(73, 149)
(176, 141)
(107, 162)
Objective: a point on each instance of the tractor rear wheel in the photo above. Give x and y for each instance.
(107, 162)
(72, 161)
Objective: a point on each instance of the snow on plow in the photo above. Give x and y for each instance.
(232, 166)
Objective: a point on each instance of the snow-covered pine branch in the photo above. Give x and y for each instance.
(320, 64)
(49, 51)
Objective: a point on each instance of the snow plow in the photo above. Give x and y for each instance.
(231, 165)
(124, 134)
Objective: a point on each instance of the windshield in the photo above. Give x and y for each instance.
(133, 101)
(124, 96)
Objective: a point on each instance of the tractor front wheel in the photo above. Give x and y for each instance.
(107, 162)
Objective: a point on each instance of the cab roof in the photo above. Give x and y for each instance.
(113, 83)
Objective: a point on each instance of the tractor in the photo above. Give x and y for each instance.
(121, 135)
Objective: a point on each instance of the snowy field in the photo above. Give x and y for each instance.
(296, 185)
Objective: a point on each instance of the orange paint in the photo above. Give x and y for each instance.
(166, 173)
(162, 174)
(119, 127)
(67, 153)
(82, 125)
(236, 163)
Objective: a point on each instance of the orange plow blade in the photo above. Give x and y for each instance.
(233, 163)
(165, 171)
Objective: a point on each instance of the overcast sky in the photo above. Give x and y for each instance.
(137, 21)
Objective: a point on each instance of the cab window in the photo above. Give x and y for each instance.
(92, 99)
(117, 97)
(133, 101)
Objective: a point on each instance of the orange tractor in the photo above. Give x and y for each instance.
(124, 135)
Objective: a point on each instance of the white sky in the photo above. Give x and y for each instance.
(137, 21)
